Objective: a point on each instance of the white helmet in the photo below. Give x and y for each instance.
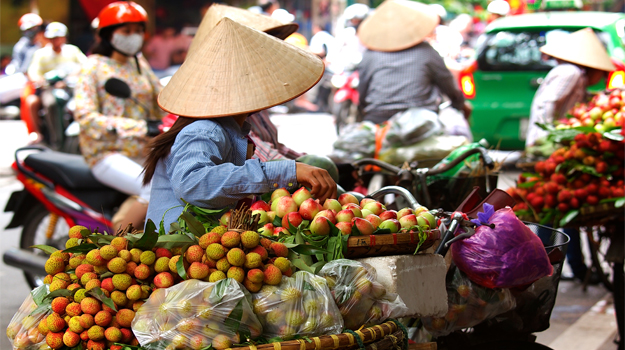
(283, 16)
(499, 7)
(55, 30)
(356, 11)
(439, 10)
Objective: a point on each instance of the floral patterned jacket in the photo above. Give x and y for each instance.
(111, 124)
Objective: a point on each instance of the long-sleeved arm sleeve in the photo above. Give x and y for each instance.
(34, 69)
(91, 120)
(364, 77)
(200, 175)
(442, 77)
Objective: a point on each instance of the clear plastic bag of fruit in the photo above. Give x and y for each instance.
(300, 305)
(195, 314)
(469, 304)
(23, 330)
(360, 298)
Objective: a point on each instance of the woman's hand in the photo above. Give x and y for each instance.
(318, 180)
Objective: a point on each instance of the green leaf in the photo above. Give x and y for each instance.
(546, 220)
(619, 202)
(308, 286)
(587, 169)
(106, 275)
(149, 239)
(42, 309)
(317, 266)
(528, 184)
(180, 267)
(277, 222)
(614, 135)
(300, 264)
(218, 291)
(308, 249)
(96, 238)
(528, 175)
(83, 248)
(382, 231)
(569, 217)
(39, 294)
(233, 321)
(193, 224)
(206, 212)
(46, 248)
(57, 293)
(99, 294)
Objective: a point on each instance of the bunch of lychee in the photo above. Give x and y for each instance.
(587, 170)
(360, 298)
(22, 330)
(301, 305)
(195, 314)
(350, 216)
(245, 257)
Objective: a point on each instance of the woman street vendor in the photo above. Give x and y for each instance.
(204, 159)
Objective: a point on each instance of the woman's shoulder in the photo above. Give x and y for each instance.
(203, 126)
(93, 61)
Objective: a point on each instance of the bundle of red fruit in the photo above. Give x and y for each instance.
(346, 213)
(584, 172)
(603, 112)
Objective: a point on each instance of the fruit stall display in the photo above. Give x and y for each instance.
(584, 169)
(111, 291)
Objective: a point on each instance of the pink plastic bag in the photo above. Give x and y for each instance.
(508, 255)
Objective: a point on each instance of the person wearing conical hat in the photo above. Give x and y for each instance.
(204, 159)
(582, 62)
(399, 70)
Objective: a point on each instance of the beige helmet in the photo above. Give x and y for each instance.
(397, 25)
(248, 18)
(237, 70)
(581, 47)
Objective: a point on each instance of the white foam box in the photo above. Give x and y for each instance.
(418, 279)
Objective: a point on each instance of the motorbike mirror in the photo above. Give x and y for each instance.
(117, 88)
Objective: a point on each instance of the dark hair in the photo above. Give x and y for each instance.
(160, 147)
(266, 4)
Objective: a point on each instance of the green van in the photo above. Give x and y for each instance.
(508, 68)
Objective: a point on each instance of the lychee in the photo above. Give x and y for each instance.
(216, 276)
(96, 345)
(236, 273)
(58, 285)
(198, 342)
(221, 342)
(108, 252)
(220, 229)
(162, 264)
(90, 306)
(236, 257)
(222, 265)
(113, 334)
(252, 260)
(279, 249)
(78, 231)
(103, 318)
(283, 264)
(120, 243)
(94, 283)
(125, 254)
(55, 323)
(54, 265)
(142, 272)
(124, 317)
(74, 325)
(55, 340)
(174, 261)
(94, 258)
(163, 252)
(86, 321)
(163, 280)
(194, 254)
(133, 292)
(59, 304)
(273, 275)
(295, 317)
(135, 254)
(96, 332)
(130, 267)
(147, 257)
(216, 251)
(76, 260)
(82, 269)
(255, 275)
(119, 298)
(260, 250)
(209, 238)
(231, 239)
(251, 286)
(80, 295)
(197, 270)
(116, 265)
(122, 281)
(71, 243)
(250, 239)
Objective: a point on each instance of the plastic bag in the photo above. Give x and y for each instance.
(22, 331)
(506, 256)
(360, 298)
(357, 139)
(411, 126)
(196, 314)
(435, 147)
(300, 305)
(469, 304)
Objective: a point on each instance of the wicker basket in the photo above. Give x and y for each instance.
(390, 244)
(386, 336)
(596, 215)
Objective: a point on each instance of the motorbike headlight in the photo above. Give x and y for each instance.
(355, 83)
(338, 80)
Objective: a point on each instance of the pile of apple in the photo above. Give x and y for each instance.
(585, 171)
(605, 111)
(367, 216)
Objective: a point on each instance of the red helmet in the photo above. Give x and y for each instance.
(28, 21)
(121, 12)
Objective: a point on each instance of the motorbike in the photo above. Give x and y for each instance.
(59, 192)
(345, 107)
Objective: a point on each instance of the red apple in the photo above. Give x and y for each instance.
(281, 230)
(347, 198)
(260, 205)
(345, 227)
(388, 214)
(364, 201)
(263, 216)
(374, 220)
(403, 212)
(225, 219)
(354, 208)
(309, 208)
(345, 215)
(320, 226)
(390, 224)
(266, 230)
(301, 195)
(293, 218)
(332, 204)
(376, 207)
(408, 221)
(328, 214)
(280, 192)
(284, 206)
(364, 226)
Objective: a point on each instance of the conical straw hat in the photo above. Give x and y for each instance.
(397, 25)
(238, 70)
(257, 21)
(581, 47)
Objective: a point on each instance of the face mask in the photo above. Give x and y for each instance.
(127, 44)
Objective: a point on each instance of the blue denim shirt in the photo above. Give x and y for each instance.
(207, 167)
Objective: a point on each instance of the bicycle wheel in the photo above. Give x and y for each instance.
(599, 242)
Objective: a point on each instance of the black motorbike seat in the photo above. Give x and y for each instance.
(68, 170)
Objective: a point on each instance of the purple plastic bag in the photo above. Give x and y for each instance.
(507, 256)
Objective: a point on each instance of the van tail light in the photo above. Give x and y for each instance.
(467, 83)
(616, 78)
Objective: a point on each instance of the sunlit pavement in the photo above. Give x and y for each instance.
(580, 320)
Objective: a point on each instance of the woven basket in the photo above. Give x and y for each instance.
(391, 244)
(379, 337)
(596, 215)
